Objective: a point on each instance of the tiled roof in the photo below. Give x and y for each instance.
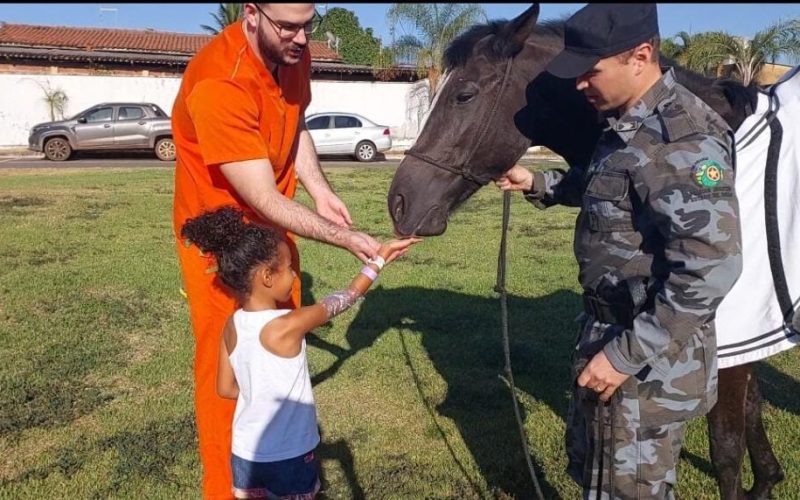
(105, 39)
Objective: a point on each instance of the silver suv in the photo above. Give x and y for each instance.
(107, 126)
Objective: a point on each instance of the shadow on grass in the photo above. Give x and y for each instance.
(340, 452)
(58, 387)
(143, 455)
(142, 154)
(21, 205)
(779, 389)
(461, 334)
(699, 463)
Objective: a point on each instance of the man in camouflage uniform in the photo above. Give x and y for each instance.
(658, 246)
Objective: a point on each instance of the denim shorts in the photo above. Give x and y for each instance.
(292, 479)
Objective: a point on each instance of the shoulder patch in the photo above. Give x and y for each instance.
(678, 123)
(707, 173)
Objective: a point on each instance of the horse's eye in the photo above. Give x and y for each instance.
(465, 93)
(464, 97)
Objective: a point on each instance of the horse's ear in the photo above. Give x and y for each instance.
(518, 30)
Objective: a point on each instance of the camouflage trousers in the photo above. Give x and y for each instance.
(611, 454)
(611, 461)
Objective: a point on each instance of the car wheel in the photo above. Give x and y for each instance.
(57, 149)
(165, 149)
(365, 151)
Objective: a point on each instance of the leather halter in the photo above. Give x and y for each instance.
(464, 170)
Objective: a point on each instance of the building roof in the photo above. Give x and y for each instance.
(53, 44)
(107, 40)
(88, 56)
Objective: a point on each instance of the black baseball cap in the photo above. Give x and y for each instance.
(602, 30)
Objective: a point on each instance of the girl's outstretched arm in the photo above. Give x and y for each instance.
(283, 336)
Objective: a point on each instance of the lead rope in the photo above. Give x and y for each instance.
(500, 288)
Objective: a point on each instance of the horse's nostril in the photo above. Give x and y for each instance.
(398, 207)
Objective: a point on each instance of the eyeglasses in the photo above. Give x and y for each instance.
(287, 30)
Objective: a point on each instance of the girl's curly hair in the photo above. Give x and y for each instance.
(239, 246)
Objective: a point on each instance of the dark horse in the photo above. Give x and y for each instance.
(496, 102)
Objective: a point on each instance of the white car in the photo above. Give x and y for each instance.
(348, 134)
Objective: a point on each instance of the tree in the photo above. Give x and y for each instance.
(696, 52)
(227, 14)
(56, 100)
(672, 49)
(356, 44)
(708, 50)
(435, 25)
(383, 64)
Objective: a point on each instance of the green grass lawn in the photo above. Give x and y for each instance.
(96, 351)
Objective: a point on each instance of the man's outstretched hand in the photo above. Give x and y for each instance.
(334, 209)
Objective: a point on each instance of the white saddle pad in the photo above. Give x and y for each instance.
(750, 323)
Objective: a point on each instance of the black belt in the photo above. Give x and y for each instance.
(605, 312)
(617, 313)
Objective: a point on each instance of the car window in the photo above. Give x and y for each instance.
(346, 122)
(100, 115)
(318, 123)
(130, 113)
(158, 112)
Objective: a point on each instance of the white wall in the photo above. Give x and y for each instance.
(22, 103)
(397, 105)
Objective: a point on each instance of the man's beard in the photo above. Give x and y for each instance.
(272, 54)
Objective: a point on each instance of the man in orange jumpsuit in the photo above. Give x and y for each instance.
(239, 129)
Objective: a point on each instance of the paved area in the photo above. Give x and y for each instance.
(149, 161)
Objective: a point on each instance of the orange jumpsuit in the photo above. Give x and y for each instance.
(229, 108)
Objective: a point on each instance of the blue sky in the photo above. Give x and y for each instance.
(742, 19)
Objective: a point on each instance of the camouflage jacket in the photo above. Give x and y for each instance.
(658, 202)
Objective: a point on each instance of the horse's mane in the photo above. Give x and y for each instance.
(461, 47)
(459, 50)
(732, 100)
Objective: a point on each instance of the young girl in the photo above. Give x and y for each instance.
(262, 356)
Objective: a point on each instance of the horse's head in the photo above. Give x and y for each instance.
(493, 102)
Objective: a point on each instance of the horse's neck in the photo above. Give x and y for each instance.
(558, 116)
(730, 99)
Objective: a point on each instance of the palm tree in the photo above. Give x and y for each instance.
(435, 26)
(697, 52)
(227, 13)
(749, 56)
(671, 47)
(708, 50)
(56, 100)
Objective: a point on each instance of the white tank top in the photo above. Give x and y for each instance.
(275, 417)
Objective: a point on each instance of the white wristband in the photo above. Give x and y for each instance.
(378, 261)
